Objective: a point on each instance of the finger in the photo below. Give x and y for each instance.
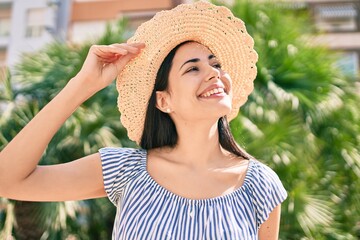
(106, 56)
(103, 51)
(138, 45)
(135, 48)
(110, 59)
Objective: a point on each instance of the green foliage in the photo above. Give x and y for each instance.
(303, 120)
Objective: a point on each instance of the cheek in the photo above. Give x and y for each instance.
(225, 77)
(184, 99)
(227, 82)
(184, 89)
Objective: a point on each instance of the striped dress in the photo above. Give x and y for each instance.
(146, 210)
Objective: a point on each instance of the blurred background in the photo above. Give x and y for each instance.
(303, 118)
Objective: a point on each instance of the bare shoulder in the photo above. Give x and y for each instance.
(238, 166)
(158, 159)
(235, 162)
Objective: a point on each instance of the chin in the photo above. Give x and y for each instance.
(225, 108)
(222, 112)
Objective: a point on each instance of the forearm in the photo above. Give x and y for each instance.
(21, 156)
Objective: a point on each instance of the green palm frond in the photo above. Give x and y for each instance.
(317, 213)
(302, 119)
(6, 88)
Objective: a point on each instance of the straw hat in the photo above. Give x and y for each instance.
(213, 26)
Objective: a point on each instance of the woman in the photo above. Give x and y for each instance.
(181, 76)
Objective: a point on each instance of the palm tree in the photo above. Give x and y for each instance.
(38, 78)
(303, 120)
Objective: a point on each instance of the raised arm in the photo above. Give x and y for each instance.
(21, 177)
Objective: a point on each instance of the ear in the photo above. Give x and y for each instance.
(163, 101)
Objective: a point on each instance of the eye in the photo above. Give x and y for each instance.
(192, 69)
(217, 65)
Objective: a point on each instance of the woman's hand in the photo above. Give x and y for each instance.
(104, 62)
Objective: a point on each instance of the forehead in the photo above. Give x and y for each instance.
(191, 50)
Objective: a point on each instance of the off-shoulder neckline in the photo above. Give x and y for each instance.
(249, 170)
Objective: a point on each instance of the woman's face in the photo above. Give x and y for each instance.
(198, 88)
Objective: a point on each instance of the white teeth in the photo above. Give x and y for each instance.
(213, 91)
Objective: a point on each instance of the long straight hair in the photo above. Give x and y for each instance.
(159, 128)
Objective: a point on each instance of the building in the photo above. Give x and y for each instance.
(89, 18)
(338, 22)
(5, 20)
(26, 26)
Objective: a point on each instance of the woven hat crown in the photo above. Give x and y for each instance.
(213, 26)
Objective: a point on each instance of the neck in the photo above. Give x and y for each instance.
(198, 144)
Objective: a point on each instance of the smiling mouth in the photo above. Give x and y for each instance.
(214, 91)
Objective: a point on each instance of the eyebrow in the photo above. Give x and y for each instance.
(193, 60)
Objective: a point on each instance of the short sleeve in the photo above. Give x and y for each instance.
(267, 190)
(118, 166)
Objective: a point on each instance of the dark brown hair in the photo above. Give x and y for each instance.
(159, 128)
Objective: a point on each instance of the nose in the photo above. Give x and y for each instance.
(213, 73)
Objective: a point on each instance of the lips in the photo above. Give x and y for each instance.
(212, 90)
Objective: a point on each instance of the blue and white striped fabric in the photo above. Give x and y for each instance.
(146, 210)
